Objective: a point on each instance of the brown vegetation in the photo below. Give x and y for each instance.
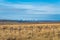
(31, 31)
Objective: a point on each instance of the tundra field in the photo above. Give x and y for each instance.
(29, 31)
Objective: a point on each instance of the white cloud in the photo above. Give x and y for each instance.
(30, 9)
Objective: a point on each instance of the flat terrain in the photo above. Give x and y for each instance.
(29, 31)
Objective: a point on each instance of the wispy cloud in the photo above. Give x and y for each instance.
(31, 9)
(26, 10)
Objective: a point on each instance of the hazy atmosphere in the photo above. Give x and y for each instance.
(30, 9)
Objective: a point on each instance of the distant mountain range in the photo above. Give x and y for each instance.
(29, 21)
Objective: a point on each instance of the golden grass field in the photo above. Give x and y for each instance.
(30, 31)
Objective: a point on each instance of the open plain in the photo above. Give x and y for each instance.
(29, 31)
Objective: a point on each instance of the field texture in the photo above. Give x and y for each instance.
(27, 31)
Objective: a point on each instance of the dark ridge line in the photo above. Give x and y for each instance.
(23, 21)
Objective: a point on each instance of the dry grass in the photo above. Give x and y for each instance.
(30, 31)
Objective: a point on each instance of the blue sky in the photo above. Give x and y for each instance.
(30, 9)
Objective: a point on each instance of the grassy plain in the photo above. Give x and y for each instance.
(29, 31)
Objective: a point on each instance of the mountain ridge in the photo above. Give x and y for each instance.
(29, 21)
